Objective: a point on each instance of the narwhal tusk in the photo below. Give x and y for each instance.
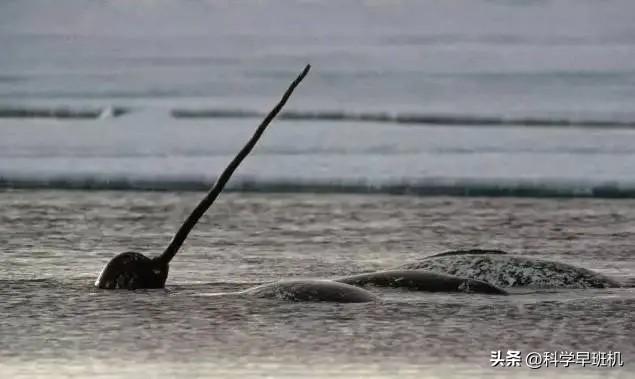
(200, 209)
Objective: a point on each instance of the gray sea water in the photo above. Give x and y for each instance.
(55, 324)
(481, 99)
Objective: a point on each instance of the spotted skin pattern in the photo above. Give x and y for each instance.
(504, 270)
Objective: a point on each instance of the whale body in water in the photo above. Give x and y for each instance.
(311, 290)
(131, 270)
(348, 289)
(504, 270)
(422, 281)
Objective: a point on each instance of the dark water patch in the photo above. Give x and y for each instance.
(62, 112)
(438, 119)
(425, 187)
(410, 118)
(216, 113)
(12, 78)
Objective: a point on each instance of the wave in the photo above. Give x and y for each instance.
(424, 187)
(66, 112)
(62, 112)
(409, 118)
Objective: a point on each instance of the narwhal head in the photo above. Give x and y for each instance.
(133, 270)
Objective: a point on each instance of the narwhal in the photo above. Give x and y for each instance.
(419, 280)
(131, 270)
(505, 270)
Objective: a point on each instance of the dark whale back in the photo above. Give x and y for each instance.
(132, 270)
(311, 290)
(467, 252)
(422, 281)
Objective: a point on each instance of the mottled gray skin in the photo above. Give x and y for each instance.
(132, 271)
(311, 290)
(422, 281)
(505, 270)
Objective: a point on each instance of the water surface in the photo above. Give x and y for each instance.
(56, 324)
